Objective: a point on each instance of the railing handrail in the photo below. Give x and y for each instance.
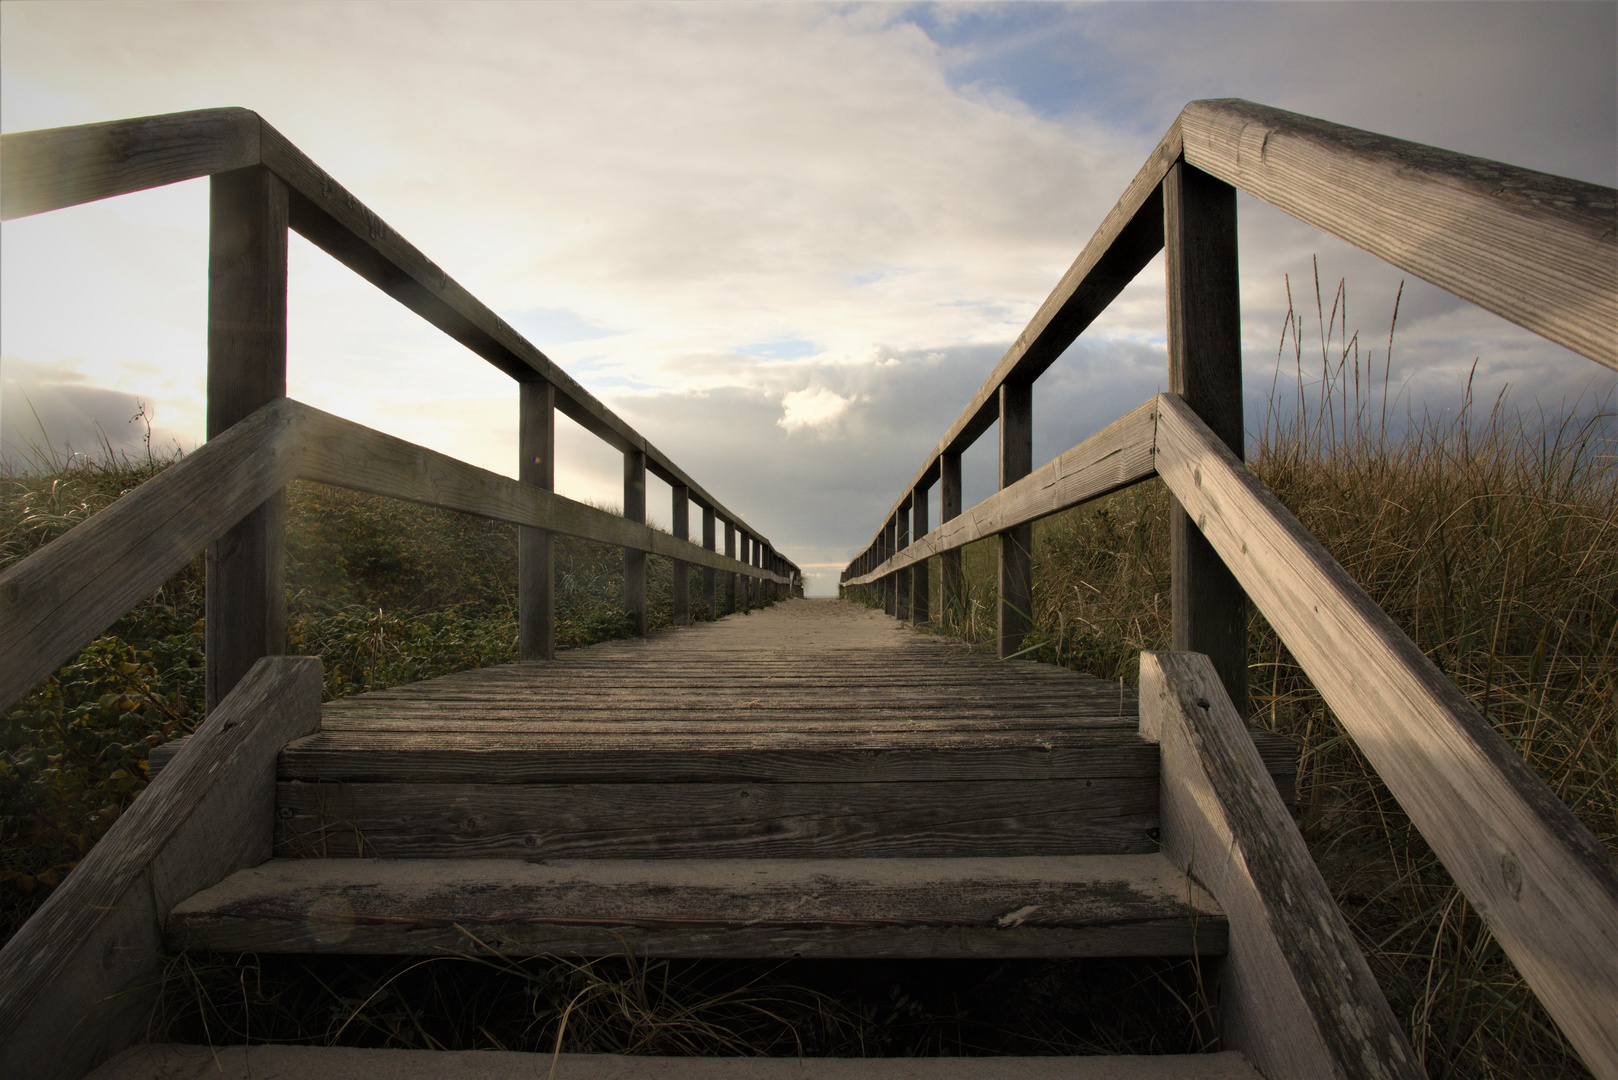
(54, 168)
(62, 596)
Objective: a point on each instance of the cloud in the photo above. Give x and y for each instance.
(816, 409)
(52, 414)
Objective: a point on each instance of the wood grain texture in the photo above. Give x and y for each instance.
(634, 558)
(345, 454)
(1114, 457)
(1128, 238)
(1014, 610)
(1296, 995)
(78, 979)
(1209, 611)
(536, 557)
(920, 587)
(1088, 906)
(1538, 249)
(710, 591)
(680, 515)
(62, 596)
(247, 369)
(1544, 884)
(60, 167)
(719, 820)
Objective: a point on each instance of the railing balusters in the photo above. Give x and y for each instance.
(247, 368)
(920, 587)
(708, 540)
(635, 561)
(1016, 544)
(730, 575)
(536, 561)
(952, 590)
(901, 580)
(681, 515)
(1205, 369)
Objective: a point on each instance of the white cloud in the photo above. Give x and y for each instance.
(816, 409)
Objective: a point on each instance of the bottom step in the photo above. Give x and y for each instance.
(169, 1062)
(1070, 906)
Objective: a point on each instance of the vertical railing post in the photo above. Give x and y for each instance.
(709, 600)
(1016, 544)
(1205, 368)
(635, 561)
(920, 588)
(746, 582)
(245, 602)
(890, 583)
(680, 513)
(730, 575)
(536, 565)
(952, 590)
(901, 579)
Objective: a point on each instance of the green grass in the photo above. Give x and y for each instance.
(384, 592)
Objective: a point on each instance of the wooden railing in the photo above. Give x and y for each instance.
(1539, 250)
(227, 497)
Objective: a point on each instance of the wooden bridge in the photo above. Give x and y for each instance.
(814, 779)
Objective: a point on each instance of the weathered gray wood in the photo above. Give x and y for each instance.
(167, 1060)
(710, 597)
(1538, 249)
(1129, 905)
(1014, 613)
(920, 587)
(78, 979)
(698, 820)
(247, 369)
(952, 586)
(680, 513)
(1116, 456)
(58, 599)
(345, 454)
(60, 167)
(1205, 369)
(635, 559)
(536, 559)
(1545, 885)
(730, 577)
(1295, 994)
(901, 580)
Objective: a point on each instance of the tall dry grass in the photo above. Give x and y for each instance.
(1490, 535)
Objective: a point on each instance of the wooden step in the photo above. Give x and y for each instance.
(1135, 905)
(168, 1061)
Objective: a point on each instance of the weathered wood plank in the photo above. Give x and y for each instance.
(634, 558)
(1537, 249)
(1014, 612)
(536, 558)
(59, 598)
(1545, 885)
(61, 167)
(696, 820)
(1209, 611)
(1114, 457)
(710, 593)
(1296, 995)
(78, 979)
(680, 514)
(247, 369)
(1119, 905)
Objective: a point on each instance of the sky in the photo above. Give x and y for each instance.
(786, 242)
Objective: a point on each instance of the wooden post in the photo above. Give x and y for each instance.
(1016, 544)
(901, 580)
(746, 582)
(730, 575)
(247, 367)
(708, 541)
(536, 565)
(920, 587)
(1205, 368)
(890, 587)
(635, 561)
(952, 590)
(681, 514)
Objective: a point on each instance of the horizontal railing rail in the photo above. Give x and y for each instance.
(62, 596)
(262, 186)
(1539, 250)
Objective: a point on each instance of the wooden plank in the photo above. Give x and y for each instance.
(536, 558)
(1116, 456)
(354, 1063)
(1119, 905)
(349, 455)
(901, 580)
(730, 577)
(1209, 610)
(60, 167)
(247, 369)
(696, 820)
(1295, 993)
(1014, 612)
(1128, 238)
(634, 558)
(62, 596)
(78, 980)
(710, 593)
(1537, 249)
(920, 587)
(1544, 884)
(329, 216)
(952, 587)
(680, 514)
